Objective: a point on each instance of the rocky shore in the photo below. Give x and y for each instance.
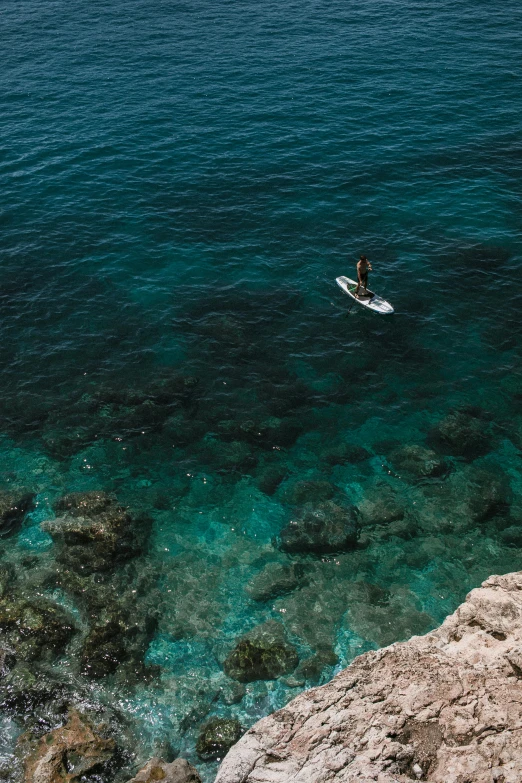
(445, 707)
(164, 586)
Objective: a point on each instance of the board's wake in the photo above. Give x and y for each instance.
(366, 298)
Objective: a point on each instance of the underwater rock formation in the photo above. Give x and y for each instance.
(463, 433)
(103, 650)
(217, 737)
(13, 508)
(121, 639)
(95, 534)
(312, 668)
(117, 411)
(276, 579)
(324, 527)
(418, 462)
(85, 504)
(262, 654)
(267, 434)
(345, 452)
(34, 629)
(445, 708)
(309, 491)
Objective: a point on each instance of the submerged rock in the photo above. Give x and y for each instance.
(103, 650)
(287, 397)
(7, 661)
(445, 707)
(489, 494)
(122, 412)
(512, 536)
(7, 578)
(345, 452)
(96, 534)
(269, 479)
(276, 579)
(70, 753)
(121, 640)
(380, 507)
(325, 527)
(232, 692)
(182, 430)
(462, 434)
(85, 504)
(13, 508)
(217, 737)
(266, 434)
(227, 456)
(418, 462)
(155, 770)
(383, 516)
(262, 654)
(310, 491)
(312, 668)
(33, 697)
(35, 628)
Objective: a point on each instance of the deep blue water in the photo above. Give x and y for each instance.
(180, 184)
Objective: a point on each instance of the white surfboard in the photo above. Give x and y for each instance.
(366, 298)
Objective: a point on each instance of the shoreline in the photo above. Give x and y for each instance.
(444, 707)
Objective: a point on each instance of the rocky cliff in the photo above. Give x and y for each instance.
(445, 707)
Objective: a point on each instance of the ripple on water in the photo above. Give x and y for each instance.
(180, 188)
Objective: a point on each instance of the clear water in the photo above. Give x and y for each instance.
(180, 185)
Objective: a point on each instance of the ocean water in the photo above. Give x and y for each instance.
(180, 184)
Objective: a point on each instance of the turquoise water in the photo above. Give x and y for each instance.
(180, 186)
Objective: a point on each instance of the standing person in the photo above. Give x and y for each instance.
(363, 266)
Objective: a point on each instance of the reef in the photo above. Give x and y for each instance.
(445, 707)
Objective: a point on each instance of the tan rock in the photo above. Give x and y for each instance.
(445, 708)
(155, 770)
(66, 754)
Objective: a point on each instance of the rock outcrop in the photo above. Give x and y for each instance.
(67, 754)
(445, 708)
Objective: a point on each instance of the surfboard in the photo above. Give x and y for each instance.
(366, 298)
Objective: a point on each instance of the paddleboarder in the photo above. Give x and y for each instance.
(363, 266)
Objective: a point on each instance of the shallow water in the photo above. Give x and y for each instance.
(180, 186)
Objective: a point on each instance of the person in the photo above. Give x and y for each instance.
(363, 265)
